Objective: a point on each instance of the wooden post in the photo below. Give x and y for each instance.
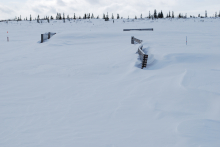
(132, 39)
(42, 38)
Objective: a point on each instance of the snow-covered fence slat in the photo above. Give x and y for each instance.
(46, 36)
(143, 57)
(135, 40)
(149, 29)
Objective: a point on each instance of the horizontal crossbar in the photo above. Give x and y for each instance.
(150, 29)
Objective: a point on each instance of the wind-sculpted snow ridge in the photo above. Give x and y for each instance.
(83, 88)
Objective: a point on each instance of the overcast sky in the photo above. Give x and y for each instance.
(125, 8)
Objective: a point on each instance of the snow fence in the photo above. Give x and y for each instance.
(46, 36)
(143, 56)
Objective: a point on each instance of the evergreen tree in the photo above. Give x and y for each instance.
(63, 18)
(118, 16)
(112, 16)
(135, 17)
(107, 16)
(98, 17)
(141, 16)
(84, 16)
(149, 15)
(92, 17)
(169, 14)
(51, 17)
(103, 16)
(128, 17)
(161, 14)
(30, 18)
(172, 14)
(155, 13)
(219, 14)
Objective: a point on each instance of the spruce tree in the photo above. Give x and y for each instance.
(172, 14)
(107, 16)
(103, 16)
(135, 17)
(141, 16)
(63, 18)
(161, 14)
(155, 13)
(169, 14)
(112, 16)
(149, 15)
(118, 16)
(30, 18)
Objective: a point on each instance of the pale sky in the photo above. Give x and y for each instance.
(11, 8)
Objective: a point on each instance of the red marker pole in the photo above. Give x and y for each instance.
(7, 37)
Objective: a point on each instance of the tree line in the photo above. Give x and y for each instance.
(155, 15)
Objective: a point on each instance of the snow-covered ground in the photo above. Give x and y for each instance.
(84, 87)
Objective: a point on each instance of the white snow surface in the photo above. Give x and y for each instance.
(84, 87)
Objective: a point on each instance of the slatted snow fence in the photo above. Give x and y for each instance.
(135, 40)
(143, 57)
(46, 36)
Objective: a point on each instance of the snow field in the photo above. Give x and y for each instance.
(84, 87)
